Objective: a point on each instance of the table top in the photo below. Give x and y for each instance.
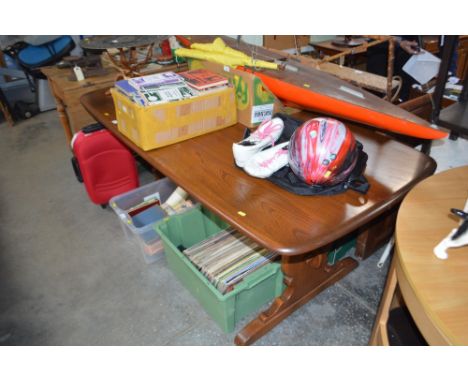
(61, 77)
(435, 291)
(277, 219)
(116, 42)
(330, 45)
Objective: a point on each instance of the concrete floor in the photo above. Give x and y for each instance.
(69, 277)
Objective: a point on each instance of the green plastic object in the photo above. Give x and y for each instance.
(338, 253)
(248, 296)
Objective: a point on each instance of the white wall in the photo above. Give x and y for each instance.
(251, 39)
(258, 39)
(321, 37)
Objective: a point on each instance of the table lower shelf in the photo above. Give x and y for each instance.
(455, 117)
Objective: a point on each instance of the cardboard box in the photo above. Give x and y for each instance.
(154, 126)
(254, 101)
(281, 42)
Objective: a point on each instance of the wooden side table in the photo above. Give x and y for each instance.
(435, 291)
(67, 93)
(328, 48)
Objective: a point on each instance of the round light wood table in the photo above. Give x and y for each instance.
(435, 291)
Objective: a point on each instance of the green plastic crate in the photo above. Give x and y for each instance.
(248, 296)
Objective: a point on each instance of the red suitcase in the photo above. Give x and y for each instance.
(105, 165)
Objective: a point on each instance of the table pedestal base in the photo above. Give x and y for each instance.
(305, 276)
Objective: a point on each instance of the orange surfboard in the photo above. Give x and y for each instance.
(330, 95)
(313, 89)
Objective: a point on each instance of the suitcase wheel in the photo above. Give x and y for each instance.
(76, 169)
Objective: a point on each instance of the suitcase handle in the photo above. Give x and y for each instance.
(76, 169)
(92, 128)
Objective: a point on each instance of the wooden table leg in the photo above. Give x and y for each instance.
(305, 277)
(64, 119)
(62, 111)
(379, 334)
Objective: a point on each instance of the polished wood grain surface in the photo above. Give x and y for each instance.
(290, 224)
(277, 219)
(435, 291)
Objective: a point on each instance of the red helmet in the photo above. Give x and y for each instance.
(322, 151)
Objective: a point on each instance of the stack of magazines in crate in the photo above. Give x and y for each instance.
(227, 257)
(169, 86)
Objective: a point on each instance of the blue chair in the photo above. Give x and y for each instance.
(36, 52)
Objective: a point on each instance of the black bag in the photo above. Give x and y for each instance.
(286, 178)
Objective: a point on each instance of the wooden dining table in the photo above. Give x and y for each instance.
(302, 229)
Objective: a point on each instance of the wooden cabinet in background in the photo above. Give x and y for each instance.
(462, 62)
(431, 44)
(281, 42)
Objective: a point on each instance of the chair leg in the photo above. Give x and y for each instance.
(379, 336)
(426, 147)
(453, 136)
(6, 112)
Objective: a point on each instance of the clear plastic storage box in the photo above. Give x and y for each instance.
(141, 230)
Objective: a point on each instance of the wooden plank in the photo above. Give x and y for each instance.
(361, 79)
(357, 77)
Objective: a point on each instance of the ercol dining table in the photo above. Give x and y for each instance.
(302, 229)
